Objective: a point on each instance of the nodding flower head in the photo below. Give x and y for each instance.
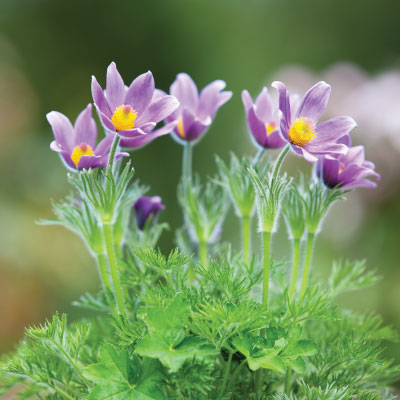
(76, 143)
(133, 112)
(299, 125)
(147, 207)
(262, 119)
(347, 171)
(196, 111)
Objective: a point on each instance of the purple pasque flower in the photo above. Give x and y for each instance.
(196, 112)
(347, 171)
(133, 112)
(77, 144)
(263, 120)
(299, 125)
(147, 207)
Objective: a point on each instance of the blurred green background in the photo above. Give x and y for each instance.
(48, 52)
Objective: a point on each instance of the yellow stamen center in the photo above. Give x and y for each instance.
(341, 168)
(82, 150)
(302, 131)
(270, 127)
(180, 129)
(124, 118)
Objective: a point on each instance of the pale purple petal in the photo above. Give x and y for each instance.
(314, 102)
(211, 98)
(158, 110)
(105, 144)
(131, 133)
(140, 92)
(115, 88)
(284, 106)
(264, 106)
(106, 122)
(185, 90)
(99, 99)
(63, 131)
(247, 100)
(335, 128)
(85, 128)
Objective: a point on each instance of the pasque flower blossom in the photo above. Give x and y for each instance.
(299, 125)
(263, 120)
(196, 112)
(77, 144)
(133, 112)
(347, 171)
(147, 207)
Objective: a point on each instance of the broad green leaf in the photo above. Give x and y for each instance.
(298, 364)
(302, 348)
(120, 377)
(173, 356)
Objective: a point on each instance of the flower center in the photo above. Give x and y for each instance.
(180, 129)
(124, 118)
(81, 150)
(302, 131)
(270, 127)
(341, 167)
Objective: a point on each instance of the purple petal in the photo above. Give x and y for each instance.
(131, 133)
(185, 90)
(115, 87)
(99, 99)
(105, 144)
(314, 101)
(321, 148)
(247, 100)
(211, 99)
(140, 92)
(284, 106)
(197, 129)
(264, 106)
(63, 131)
(355, 155)
(335, 128)
(106, 122)
(158, 110)
(134, 143)
(85, 128)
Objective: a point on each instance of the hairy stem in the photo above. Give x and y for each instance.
(227, 371)
(279, 161)
(266, 240)
(102, 264)
(309, 251)
(113, 150)
(187, 163)
(258, 156)
(203, 254)
(246, 238)
(112, 262)
(296, 257)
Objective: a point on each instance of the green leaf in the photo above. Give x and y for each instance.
(120, 377)
(303, 348)
(171, 354)
(298, 365)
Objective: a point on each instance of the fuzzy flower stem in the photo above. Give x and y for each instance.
(258, 156)
(112, 262)
(102, 264)
(296, 256)
(113, 150)
(187, 163)
(266, 240)
(227, 371)
(203, 254)
(309, 251)
(246, 237)
(279, 161)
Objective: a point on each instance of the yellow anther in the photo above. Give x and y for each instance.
(81, 150)
(124, 118)
(270, 127)
(302, 131)
(180, 129)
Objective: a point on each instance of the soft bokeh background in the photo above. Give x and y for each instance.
(48, 52)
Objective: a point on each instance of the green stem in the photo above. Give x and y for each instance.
(266, 239)
(227, 370)
(279, 161)
(62, 393)
(203, 254)
(113, 150)
(296, 257)
(307, 263)
(258, 156)
(288, 379)
(112, 262)
(236, 372)
(187, 163)
(246, 238)
(102, 264)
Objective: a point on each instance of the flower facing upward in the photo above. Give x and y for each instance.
(196, 112)
(263, 119)
(299, 124)
(133, 111)
(147, 207)
(77, 144)
(347, 171)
